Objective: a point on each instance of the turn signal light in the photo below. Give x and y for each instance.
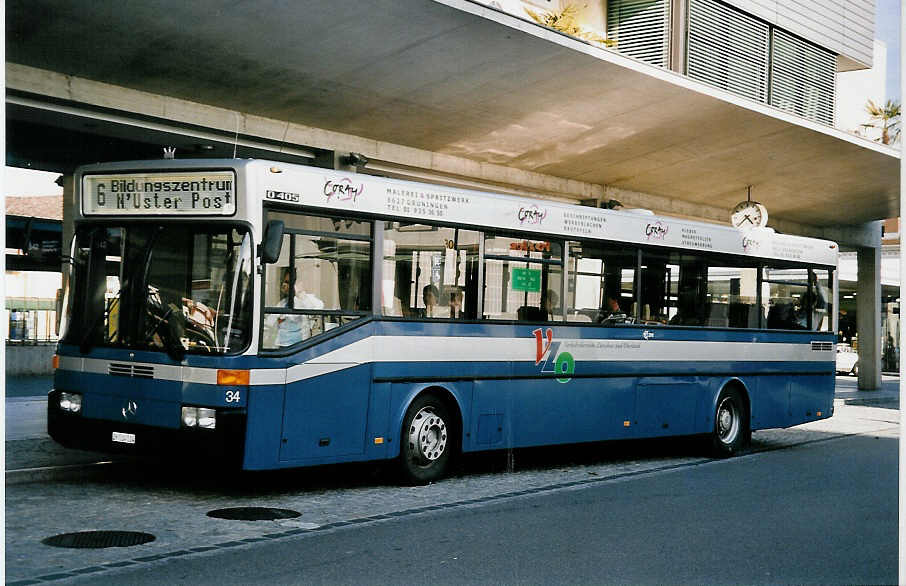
(56, 361)
(233, 377)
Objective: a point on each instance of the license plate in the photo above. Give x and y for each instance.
(123, 438)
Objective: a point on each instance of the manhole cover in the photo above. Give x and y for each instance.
(253, 514)
(99, 539)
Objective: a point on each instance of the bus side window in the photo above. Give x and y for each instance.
(601, 284)
(522, 278)
(321, 281)
(797, 298)
(428, 272)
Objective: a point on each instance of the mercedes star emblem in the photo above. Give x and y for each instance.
(129, 409)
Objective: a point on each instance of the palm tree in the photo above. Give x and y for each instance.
(567, 21)
(886, 118)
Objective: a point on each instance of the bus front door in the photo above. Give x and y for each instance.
(324, 417)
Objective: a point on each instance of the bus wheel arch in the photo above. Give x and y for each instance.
(430, 436)
(731, 429)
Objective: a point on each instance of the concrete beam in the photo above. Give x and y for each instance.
(93, 95)
(123, 105)
(855, 236)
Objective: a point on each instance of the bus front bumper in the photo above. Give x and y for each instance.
(223, 444)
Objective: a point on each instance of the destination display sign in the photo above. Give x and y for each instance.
(211, 193)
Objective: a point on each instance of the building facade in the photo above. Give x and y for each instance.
(782, 53)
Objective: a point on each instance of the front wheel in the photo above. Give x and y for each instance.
(731, 424)
(427, 442)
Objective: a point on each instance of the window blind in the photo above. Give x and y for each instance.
(728, 49)
(802, 78)
(640, 29)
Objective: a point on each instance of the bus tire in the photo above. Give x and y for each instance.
(427, 440)
(731, 424)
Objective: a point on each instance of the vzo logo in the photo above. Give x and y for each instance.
(547, 352)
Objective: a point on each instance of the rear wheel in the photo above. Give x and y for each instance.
(731, 424)
(427, 442)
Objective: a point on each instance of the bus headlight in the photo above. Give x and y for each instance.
(200, 417)
(71, 402)
(207, 418)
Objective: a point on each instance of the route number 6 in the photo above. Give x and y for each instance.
(232, 396)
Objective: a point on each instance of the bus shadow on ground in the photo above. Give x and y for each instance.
(210, 479)
(183, 475)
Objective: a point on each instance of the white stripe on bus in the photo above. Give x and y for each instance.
(383, 349)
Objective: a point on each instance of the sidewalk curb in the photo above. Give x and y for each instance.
(91, 471)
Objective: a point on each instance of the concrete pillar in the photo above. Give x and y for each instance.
(868, 318)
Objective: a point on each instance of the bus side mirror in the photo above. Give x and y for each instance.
(273, 242)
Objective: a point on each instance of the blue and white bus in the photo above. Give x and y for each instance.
(279, 315)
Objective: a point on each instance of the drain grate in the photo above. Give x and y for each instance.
(99, 539)
(253, 514)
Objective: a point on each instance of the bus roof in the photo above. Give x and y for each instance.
(305, 186)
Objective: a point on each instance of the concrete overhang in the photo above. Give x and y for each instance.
(457, 78)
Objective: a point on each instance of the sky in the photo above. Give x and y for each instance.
(887, 29)
(25, 182)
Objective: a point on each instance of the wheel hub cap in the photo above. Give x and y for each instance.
(727, 422)
(428, 435)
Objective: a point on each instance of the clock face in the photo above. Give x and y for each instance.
(749, 214)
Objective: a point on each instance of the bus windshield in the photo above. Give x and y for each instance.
(174, 288)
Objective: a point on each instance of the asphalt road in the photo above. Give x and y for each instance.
(814, 503)
(820, 513)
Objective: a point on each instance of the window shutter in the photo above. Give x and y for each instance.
(728, 49)
(640, 29)
(802, 78)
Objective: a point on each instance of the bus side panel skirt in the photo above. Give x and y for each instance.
(262, 441)
(324, 418)
(668, 405)
(770, 397)
(380, 440)
(532, 412)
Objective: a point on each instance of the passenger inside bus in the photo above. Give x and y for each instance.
(456, 303)
(782, 316)
(611, 311)
(429, 296)
(291, 329)
(549, 302)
